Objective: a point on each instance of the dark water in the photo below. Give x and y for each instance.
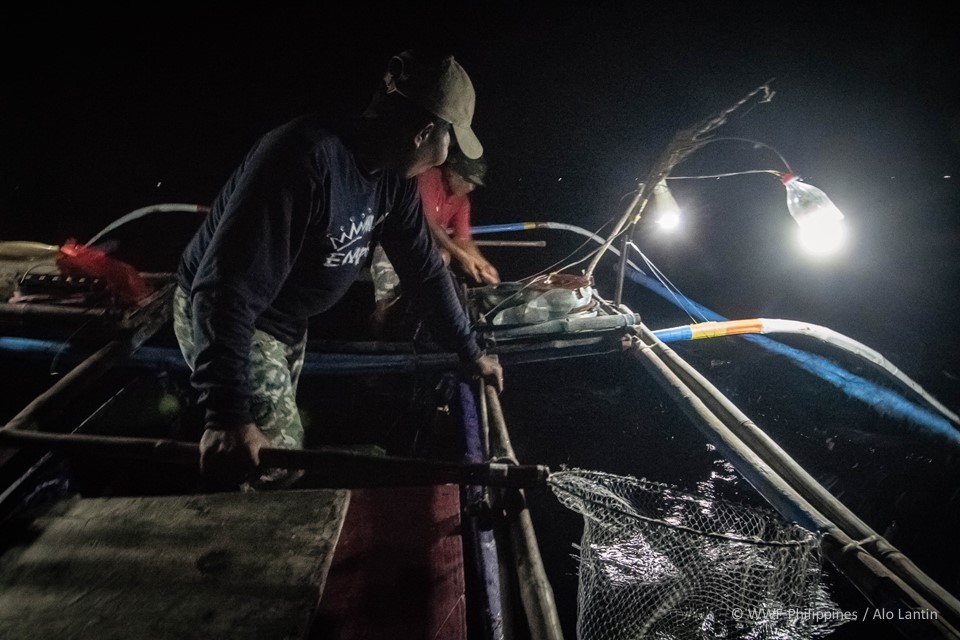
(606, 415)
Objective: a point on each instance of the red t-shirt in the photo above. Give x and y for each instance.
(451, 211)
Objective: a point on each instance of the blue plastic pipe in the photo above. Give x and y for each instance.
(883, 400)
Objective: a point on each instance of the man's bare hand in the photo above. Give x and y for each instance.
(230, 456)
(489, 370)
(478, 268)
(489, 273)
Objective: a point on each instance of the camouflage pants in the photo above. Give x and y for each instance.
(272, 377)
(386, 282)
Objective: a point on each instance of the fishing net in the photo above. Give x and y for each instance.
(656, 562)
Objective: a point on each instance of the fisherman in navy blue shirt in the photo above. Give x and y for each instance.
(288, 235)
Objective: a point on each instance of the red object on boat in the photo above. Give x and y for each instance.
(123, 281)
(398, 570)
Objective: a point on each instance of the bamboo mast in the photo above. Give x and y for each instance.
(683, 144)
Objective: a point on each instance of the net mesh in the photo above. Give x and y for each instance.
(656, 562)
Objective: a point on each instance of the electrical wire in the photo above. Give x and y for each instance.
(535, 278)
(669, 286)
(727, 175)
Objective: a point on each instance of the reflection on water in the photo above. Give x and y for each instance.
(604, 415)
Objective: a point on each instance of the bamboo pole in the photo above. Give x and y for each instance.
(74, 382)
(69, 386)
(881, 585)
(33, 313)
(342, 469)
(834, 510)
(498, 589)
(510, 243)
(535, 590)
(149, 320)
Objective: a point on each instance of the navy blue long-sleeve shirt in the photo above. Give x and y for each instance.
(285, 239)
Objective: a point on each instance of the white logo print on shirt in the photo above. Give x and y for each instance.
(356, 234)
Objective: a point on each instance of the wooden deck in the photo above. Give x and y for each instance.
(234, 565)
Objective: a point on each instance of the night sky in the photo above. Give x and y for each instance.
(107, 112)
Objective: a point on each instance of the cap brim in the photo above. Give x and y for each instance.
(468, 142)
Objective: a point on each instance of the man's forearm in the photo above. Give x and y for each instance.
(444, 240)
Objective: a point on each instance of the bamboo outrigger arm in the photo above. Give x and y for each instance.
(883, 574)
(148, 321)
(684, 143)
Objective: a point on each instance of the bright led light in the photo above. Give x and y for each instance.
(669, 221)
(666, 209)
(822, 237)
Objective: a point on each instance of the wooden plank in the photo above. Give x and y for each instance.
(232, 565)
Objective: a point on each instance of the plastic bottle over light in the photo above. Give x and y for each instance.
(808, 204)
(820, 221)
